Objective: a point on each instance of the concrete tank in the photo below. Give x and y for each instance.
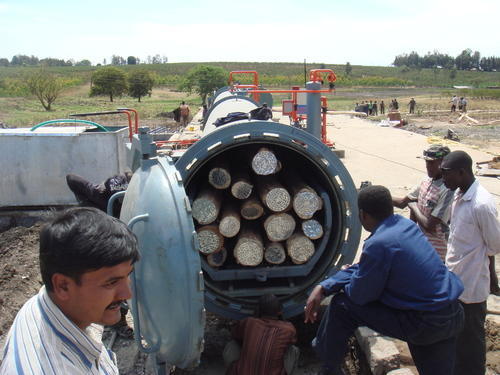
(34, 163)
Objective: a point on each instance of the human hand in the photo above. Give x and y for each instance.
(345, 266)
(312, 304)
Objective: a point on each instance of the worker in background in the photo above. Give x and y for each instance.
(454, 103)
(86, 258)
(263, 344)
(412, 104)
(382, 107)
(97, 195)
(430, 201)
(184, 112)
(474, 236)
(400, 288)
(463, 104)
(375, 108)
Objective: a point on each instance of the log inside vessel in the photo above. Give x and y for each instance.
(219, 176)
(300, 248)
(206, 206)
(279, 227)
(265, 162)
(217, 259)
(210, 239)
(249, 250)
(305, 200)
(312, 229)
(242, 187)
(229, 224)
(274, 195)
(252, 209)
(274, 253)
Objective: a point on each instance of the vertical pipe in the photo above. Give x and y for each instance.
(314, 109)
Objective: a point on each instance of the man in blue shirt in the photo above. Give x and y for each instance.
(400, 288)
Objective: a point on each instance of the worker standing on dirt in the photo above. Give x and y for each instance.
(263, 344)
(184, 113)
(463, 104)
(454, 103)
(474, 235)
(400, 288)
(412, 104)
(86, 258)
(430, 201)
(382, 107)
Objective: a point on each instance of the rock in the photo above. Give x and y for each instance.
(493, 304)
(493, 318)
(381, 352)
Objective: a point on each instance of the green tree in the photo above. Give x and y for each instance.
(131, 60)
(348, 69)
(108, 81)
(45, 87)
(203, 80)
(140, 83)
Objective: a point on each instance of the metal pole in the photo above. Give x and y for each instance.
(314, 109)
(305, 73)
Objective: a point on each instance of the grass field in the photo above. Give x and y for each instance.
(431, 88)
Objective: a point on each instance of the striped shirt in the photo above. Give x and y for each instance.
(42, 340)
(434, 199)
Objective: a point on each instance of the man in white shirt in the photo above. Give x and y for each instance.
(474, 235)
(86, 257)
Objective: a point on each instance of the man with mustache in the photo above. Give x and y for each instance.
(86, 257)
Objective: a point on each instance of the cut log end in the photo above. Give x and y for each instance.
(279, 227)
(275, 253)
(249, 253)
(210, 239)
(277, 199)
(306, 203)
(312, 229)
(300, 248)
(217, 259)
(205, 210)
(229, 226)
(265, 163)
(219, 178)
(241, 189)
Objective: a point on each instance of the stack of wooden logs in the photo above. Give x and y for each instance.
(266, 213)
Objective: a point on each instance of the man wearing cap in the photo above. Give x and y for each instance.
(430, 202)
(474, 235)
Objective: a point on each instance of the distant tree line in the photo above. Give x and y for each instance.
(466, 60)
(25, 60)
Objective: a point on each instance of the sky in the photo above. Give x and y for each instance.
(362, 32)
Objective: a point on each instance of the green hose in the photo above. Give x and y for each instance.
(68, 120)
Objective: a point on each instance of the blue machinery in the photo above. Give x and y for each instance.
(173, 284)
